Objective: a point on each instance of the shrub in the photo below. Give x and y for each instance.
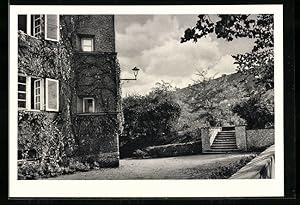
(139, 154)
(225, 172)
(257, 113)
(45, 169)
(148, 119)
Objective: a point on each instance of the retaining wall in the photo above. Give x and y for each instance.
(170, 150)
(260, 139)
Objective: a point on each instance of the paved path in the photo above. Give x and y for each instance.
(183, 167)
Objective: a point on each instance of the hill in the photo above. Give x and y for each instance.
(211, 103)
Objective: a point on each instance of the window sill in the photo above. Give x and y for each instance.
(97, 113)
(31, 110)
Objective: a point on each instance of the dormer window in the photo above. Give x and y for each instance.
(40, 26)
(87, 44)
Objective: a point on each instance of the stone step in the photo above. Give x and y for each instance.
(225, 134)
(218, 151)
(223, 147)
(223, 143)
(225, 137)
(228, 128)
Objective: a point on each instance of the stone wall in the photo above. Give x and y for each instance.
(240, 134)
(208, 135)
(170, 150)
(258, 140)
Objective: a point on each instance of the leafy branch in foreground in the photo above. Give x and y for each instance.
(260, 61)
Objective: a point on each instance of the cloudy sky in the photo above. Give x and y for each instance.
(152, 43)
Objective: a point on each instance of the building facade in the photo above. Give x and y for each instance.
(68, 73)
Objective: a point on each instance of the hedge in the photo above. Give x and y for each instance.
(169, 150)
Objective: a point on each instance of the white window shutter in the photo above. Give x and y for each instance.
(52, 94)
(42, 94)
(52, 27)
(28, 93)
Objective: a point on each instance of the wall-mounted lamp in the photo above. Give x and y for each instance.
(135, 73)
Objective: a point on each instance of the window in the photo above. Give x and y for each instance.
(88, 105)
(52, 27)
(87, 44)
(38, 93)
(37, 25)
(21, 91)
(22, 23)
(52, 97)
(40, 26)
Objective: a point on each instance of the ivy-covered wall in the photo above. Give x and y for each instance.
(97, 76)
(45, 59)
(59, 137)
(99, 26)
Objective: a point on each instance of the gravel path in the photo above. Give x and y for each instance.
(183, 167)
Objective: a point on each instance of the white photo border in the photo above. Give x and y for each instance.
(148, 188)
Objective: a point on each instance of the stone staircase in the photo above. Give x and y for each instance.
(225, 141)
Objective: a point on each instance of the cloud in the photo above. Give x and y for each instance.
(225, 65)
(138, 37)
(154, 47)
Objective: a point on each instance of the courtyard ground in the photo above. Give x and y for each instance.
(182, 167)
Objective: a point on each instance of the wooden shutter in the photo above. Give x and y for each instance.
(52, 95)
(52, 27)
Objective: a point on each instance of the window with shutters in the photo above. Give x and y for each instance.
(39, 26)
(38, 93)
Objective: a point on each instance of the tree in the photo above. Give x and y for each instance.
(148, 119)
(260, 61)
(256, 113)
(211, 99)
